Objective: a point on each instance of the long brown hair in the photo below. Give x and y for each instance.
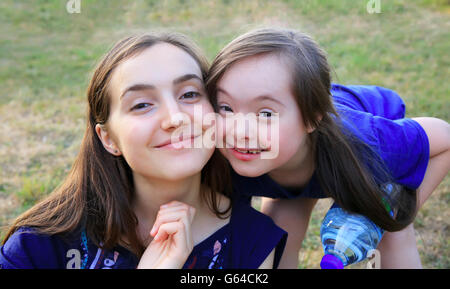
(97, 193)
(348, 170)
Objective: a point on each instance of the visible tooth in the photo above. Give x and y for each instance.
(248, 152)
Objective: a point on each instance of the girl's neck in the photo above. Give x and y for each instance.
(150, 194)
(297, 172)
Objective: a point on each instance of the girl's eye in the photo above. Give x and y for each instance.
(265, 113)
(191, 95)
(225, 108)
(141, 105)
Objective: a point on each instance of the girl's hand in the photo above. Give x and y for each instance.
(172, 239)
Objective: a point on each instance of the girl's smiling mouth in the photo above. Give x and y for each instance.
(245, 154)
(183, 142)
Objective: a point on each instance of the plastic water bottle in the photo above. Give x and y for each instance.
(348, 237)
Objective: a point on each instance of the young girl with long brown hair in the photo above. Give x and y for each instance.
(343, 142)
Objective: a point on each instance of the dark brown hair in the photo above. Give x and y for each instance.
(97, 194)
(345, 173)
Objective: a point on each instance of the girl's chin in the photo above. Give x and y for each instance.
(250, 170)
(172, 168)
(246, 165)
(172, 175)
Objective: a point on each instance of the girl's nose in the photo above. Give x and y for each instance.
(173, 117)
(245, 131)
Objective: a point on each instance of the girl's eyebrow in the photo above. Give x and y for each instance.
(258, 98)
(268, 97)
(137, 87)
(187, 77)
(145, 86)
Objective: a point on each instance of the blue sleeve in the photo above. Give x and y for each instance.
(402, 143)
(376, 100)
(404, 148)
(27, 250)
(254, 236)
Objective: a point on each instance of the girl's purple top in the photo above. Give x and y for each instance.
(244, 243)
(376, 116)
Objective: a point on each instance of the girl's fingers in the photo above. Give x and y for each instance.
(174, 205)
(183, 213)
(176, 216)
(188, 210)
(179, 234)
(167, 229)
(172, 230)
(173, 208)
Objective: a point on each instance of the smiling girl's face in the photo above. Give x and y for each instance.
(150, 94)
(261, 84)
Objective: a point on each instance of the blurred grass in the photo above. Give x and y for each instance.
(47, 56)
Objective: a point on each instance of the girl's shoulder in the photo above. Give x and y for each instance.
(245, 215)
(254, 236)
(27, 248)
(372, 99)
(401, 144)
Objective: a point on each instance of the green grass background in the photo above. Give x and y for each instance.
(47, 56)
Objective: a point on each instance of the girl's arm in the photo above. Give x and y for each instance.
(293, 216)
(399, 249)
(438, 132)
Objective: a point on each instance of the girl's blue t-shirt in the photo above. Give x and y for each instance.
(244, 243)
(376, 116)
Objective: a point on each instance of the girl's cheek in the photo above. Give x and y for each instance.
(224, 133)
(207, 107)
(221, 132)
(264, 135)
(135, 136)
(224, 152)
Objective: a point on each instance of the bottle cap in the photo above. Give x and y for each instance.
(331, 262)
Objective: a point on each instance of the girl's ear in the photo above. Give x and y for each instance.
(106, 139)
(311, 128)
